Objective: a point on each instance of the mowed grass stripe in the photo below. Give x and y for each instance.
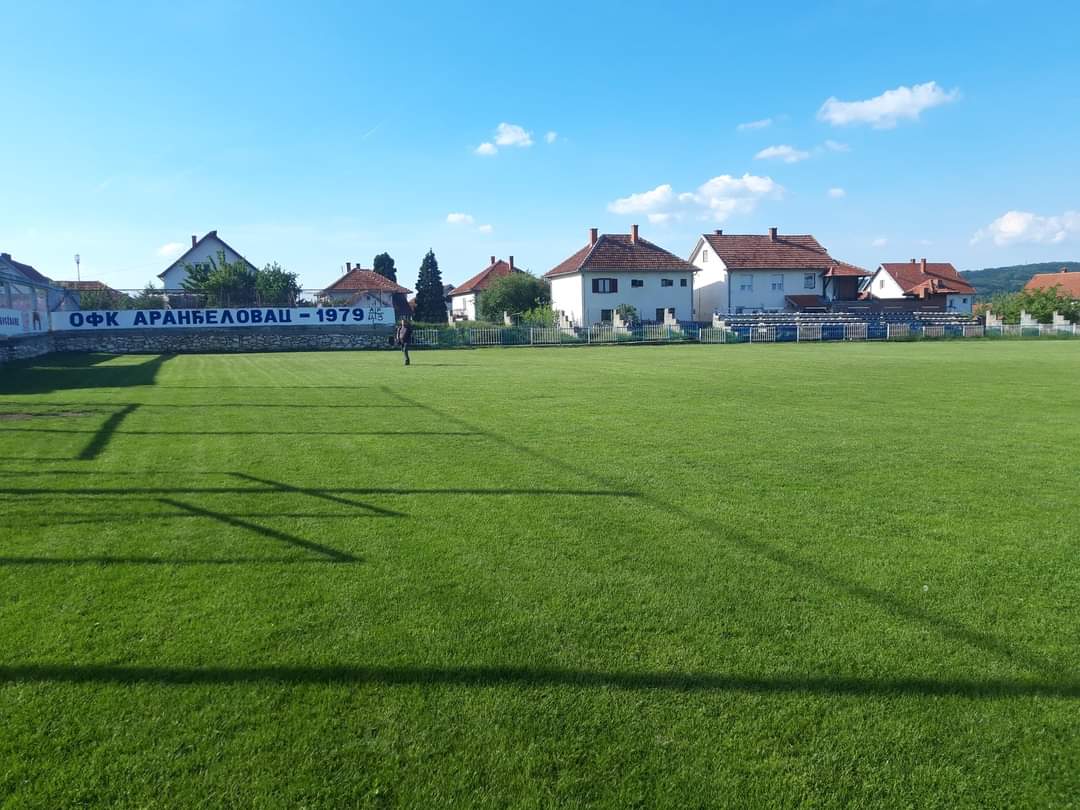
(660, 576)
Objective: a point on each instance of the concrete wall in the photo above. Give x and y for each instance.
(23, 348)
(206, 341)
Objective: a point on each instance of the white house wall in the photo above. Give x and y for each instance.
(645, 299)
(710, 282)
(463, 307)
(961, 303)
(566, 296)
(206, 250)
(884, 286)
(762, 296)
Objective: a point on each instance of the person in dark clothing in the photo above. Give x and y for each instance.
(404, 338)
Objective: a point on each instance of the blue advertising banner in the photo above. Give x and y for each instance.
(221, 318)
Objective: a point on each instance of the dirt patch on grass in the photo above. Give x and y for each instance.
(18, 417)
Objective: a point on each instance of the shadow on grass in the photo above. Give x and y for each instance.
(105, 561)
(274, 534)
(103, 435)
(64, 372)
(539, 677)
(887, 602)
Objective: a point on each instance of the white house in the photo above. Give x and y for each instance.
(933, 284)
(736, 273)
(366, 288)
(465, 298)
(203, 252)
(618, 268)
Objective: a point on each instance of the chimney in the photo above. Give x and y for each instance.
(719, 231)
(593, 236)
(922, 266)
(913, 261)
(348, 267)
(772, 234)
(511, 262)
(492, 261)
(633, 234)
(194, 239)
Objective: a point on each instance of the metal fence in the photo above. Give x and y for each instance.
(487, 336)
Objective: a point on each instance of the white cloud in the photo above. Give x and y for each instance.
(759, 124)
(1024, 226)
(644, 202)
(486, 148)
(170, 249)
(512, 135)
(715, 199)
(460, 219)
(836, 146)
(881, 241)
(888, 109)
(485, 228)
(836, 193)
(788, 154)
(551, 137)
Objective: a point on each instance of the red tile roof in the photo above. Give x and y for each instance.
(842, 269)
(1068, 283)
(616, 252)
(357, 280)
(87, 286)
(939, 278)
(752, 251)
(484, 279)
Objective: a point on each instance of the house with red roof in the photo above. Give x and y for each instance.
(621, 268)
(934, 285)
(465, 298)
(366, 288)
(203, 252)
(774, 272)
(1066, 282)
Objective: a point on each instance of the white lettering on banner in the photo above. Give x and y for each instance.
(217, 318)
(23, 322)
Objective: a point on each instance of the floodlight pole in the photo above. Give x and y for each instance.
(78, 278)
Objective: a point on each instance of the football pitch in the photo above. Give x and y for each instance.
(684, 576)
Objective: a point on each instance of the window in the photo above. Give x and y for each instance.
(881, 284)
(637, 282)
(705, 255)
(963, 300)
(778, 282)
(809, 281)
(746, 282)
(682, 282)
(660, 314)
(605, 285)
(606, 315)
(666, 282)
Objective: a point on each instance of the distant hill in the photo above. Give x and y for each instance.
(995, 280)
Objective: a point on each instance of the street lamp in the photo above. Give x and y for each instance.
(78, 278)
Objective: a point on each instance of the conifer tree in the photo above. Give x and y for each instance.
(430, 299)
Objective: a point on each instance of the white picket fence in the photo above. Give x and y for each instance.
(712, 334)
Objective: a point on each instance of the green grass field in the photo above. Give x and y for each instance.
(625, 577)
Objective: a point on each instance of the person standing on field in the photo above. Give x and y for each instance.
(404, 337)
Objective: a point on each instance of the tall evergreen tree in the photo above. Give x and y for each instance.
(383, 264)
(430, 299)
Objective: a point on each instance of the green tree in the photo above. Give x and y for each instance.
(383, 264)
(1040, 304)
(224, 283)
(516, 293)
(430, 299)
(150, 298)
(103, 299)
(274, 286)
(629, 314)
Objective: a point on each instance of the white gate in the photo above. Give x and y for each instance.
(712, 334)
(545, 335)
(810, 331)
(855, 331)
(425, 337)
(763, 334)
(931, 331)
(485, 336)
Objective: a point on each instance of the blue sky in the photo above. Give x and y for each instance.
(315, 134)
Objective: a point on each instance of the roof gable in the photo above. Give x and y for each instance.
(358, 280)
(618, 252)
(765, 252)
(211, 235)
(24, 270)
(485, 278)
(927, 278)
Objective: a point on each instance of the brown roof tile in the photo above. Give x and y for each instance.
(616, 252)
(357, 280)
(939, 278)
(761, 252)
(484, 279)
(1067, 282)
(844, 269)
